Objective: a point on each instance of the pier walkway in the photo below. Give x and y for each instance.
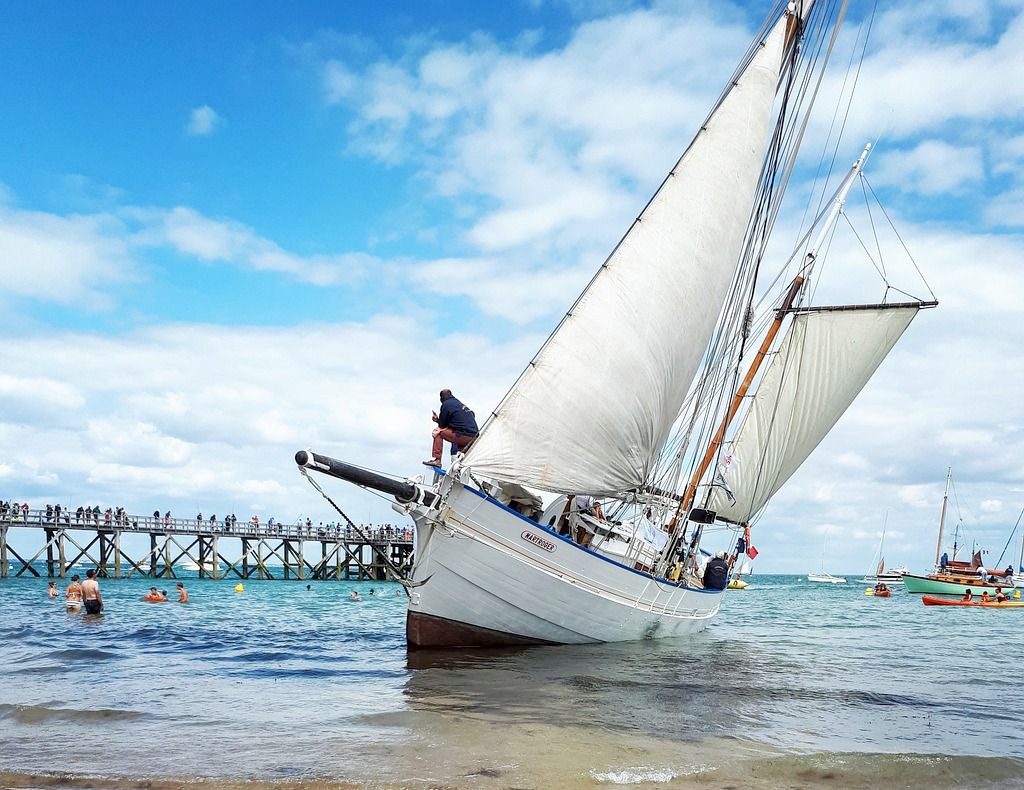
(301, 551)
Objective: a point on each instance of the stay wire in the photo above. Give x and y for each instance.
(384, 557)
(898, 236)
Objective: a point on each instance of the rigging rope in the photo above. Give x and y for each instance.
(395, 570)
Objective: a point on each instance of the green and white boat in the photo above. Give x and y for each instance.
(951, 577)
(951, 584)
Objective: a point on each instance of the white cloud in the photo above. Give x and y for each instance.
(187, 415)
(68, 260)
(932, 167)
(203, 121)
(208, 239)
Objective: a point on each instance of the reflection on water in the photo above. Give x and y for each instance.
(794, 685)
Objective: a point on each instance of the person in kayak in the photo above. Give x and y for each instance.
(1000, 595)
(985, 597)
(968, 597)
(881, 589)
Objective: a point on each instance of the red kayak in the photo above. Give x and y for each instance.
(934, 600)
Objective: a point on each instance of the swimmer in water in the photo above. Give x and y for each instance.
(52, 590)
(182, 593)
(355, 596)
(91, 593)
(154, 596)
(73, 595)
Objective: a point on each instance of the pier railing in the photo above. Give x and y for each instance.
(193, 526)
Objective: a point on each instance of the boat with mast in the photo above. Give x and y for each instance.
(952, 576)
(881, 575)
(821, 577)
(643, 397)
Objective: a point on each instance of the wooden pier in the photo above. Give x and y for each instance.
(304, 551)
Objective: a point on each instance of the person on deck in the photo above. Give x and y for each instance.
(456, 424)
(716, 573)
(586, 505)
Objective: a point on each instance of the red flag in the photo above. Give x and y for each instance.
(751, 551)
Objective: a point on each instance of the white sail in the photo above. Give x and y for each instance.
(593, 411)
(825, 359)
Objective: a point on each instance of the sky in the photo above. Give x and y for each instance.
(229, 232)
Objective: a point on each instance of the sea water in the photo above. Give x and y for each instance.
(794, 684)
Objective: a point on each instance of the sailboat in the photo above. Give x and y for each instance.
(636, 397)
(881, 575)
(737, 582)
(952, 576)
(822, 577)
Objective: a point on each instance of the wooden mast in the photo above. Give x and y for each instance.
(827, 220)
(737, 400)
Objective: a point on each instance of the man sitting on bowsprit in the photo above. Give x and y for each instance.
(456, 424)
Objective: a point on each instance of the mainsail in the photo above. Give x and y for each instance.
(594, 409)
(826, 358)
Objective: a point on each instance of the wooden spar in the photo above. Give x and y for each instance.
(755, 365)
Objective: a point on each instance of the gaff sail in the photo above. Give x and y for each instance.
(593, 410)
(825, 359)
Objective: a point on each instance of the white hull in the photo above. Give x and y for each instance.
(490, 576)
(885, 578)
(826, 578)
(195, 566)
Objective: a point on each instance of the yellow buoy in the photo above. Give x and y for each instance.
(869, 591)
(1016, 593)
(239, 588)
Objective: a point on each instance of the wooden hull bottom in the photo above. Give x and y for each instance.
(425, 631)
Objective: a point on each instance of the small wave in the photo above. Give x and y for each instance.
(81, 653)
(646, 775)
(38, 714)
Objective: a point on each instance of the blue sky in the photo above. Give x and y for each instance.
(227, 232)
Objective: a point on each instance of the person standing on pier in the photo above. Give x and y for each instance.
(91, 593)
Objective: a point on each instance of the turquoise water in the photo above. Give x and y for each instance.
(794, 684)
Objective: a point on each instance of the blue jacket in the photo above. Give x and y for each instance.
(456, 415)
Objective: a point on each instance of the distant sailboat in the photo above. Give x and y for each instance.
(881, 576)
(654, 396)
(822, 577)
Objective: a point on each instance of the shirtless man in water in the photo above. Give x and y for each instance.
(182, 593)
(91, 593)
